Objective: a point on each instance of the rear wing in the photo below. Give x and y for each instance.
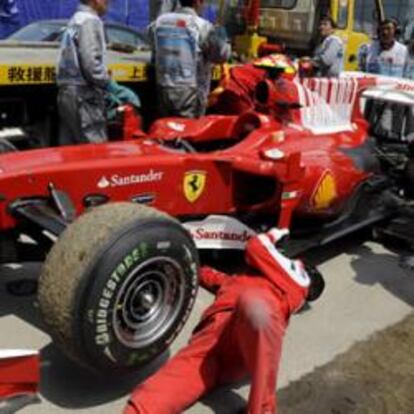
(385, 88)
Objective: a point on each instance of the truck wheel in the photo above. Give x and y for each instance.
(118, 286)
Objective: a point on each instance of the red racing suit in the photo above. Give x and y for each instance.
(239, 335)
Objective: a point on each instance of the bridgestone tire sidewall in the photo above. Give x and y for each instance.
(162, 238)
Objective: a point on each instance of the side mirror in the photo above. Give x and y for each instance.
(267, 94)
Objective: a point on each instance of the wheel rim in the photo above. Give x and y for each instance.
(148, 302)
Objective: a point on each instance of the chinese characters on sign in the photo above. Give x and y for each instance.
(139, 73)
(29, 74)
(22, 74)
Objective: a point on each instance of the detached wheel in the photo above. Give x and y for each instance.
(118, 286)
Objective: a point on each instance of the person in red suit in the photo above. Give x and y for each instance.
(239, 335)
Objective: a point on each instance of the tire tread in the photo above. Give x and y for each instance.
(71, 255)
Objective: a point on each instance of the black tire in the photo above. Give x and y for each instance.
(118, 286)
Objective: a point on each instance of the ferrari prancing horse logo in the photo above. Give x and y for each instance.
(194, 184)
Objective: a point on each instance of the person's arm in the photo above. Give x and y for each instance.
(362, 57)
(216, 46)
(288, 275)
(151, 40)
(91, 46)
(211, 279)
(406, 60)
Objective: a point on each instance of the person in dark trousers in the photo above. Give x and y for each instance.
(184, 48)
(239, 335)
(328, 57)
(82, 76)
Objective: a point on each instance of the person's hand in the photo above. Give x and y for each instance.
(306, 67)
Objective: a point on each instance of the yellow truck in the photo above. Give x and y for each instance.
(28, 90)
(294, 23)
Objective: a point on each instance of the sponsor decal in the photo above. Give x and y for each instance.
(326, 191)
(117, 180)
(204, 234)
(102, 336)
(290, 195)
(405, 87)
(219, 232)
(193, 184)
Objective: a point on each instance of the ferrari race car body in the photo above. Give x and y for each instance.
(121, 278)
(255, 174)
(306, 162)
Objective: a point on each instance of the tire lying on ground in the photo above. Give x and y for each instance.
(118, 286)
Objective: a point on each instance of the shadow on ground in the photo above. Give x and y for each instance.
(224, 401)
(392, 277)
(67, 385)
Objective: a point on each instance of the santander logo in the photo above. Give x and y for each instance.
(117, 180)
(203, 234)
(219, 232)
(103, 183)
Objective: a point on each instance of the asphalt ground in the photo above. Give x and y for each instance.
(367, 292)
(375, 376)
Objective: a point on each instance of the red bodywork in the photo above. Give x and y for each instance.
(272, 163)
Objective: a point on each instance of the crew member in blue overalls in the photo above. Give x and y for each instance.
(184, 48)
(328, 57)
(82, 76)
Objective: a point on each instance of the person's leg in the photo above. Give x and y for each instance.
(259, 327)
(184, 379)
(69, 123)
(92, 116)
(409, 124)
(178, 102)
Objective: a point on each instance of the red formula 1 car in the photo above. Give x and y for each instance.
(120, 278)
